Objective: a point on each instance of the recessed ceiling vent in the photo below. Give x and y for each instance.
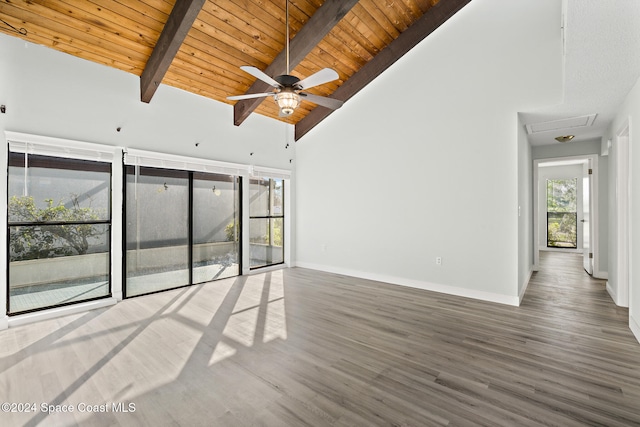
(562, 124)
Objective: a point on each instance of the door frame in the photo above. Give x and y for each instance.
(622, 195)
(594, 215)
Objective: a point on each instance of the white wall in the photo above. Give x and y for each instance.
(54, 94)
(630, 112)
(424, 161)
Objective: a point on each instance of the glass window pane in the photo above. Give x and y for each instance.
(47, 266)
(562, 195)
(259, 238)
(266, 241)
(216, 231)
(259, 197)
(259, 231)
(277, 200)
(157, 230)
(57, 189)
(562, 230)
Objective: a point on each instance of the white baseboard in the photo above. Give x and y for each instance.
(418, 284)
(566, 250)
(36, 316)
(601, 275)
(635, 327)
(524, 286)
(4, 322)
(612, 293)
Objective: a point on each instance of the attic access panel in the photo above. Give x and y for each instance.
(562, 124)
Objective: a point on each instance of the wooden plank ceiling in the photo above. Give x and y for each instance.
(229, 33)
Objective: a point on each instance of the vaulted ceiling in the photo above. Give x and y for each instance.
(199, 45)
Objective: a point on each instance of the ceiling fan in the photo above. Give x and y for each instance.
(288, 89)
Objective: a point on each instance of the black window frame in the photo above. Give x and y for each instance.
(15, 158)
(555, 214)
(270, 216)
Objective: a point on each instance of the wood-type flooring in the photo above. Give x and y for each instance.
(298, 347)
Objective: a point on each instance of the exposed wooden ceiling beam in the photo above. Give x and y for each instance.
(429, 22)
(319, 25)
(180, 21)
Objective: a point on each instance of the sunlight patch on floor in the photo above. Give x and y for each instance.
(221, 352)
(276, 325)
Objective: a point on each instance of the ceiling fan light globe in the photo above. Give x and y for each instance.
(287, 102)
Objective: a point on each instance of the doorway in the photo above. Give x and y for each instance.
(585, 170)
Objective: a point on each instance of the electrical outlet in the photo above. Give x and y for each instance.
(438, 260)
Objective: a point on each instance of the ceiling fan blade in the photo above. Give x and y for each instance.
(260, 75)
(248, 96)
(332, 103)
(323, 76)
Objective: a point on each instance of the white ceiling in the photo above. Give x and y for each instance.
(602, 63)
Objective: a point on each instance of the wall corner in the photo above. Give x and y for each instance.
(635, 327)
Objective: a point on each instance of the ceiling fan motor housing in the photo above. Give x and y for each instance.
(287, 80)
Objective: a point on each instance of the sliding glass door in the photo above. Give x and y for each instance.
(157, 229)
(59, 228)
(181, 228)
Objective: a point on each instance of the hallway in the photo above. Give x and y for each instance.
(561, 284)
